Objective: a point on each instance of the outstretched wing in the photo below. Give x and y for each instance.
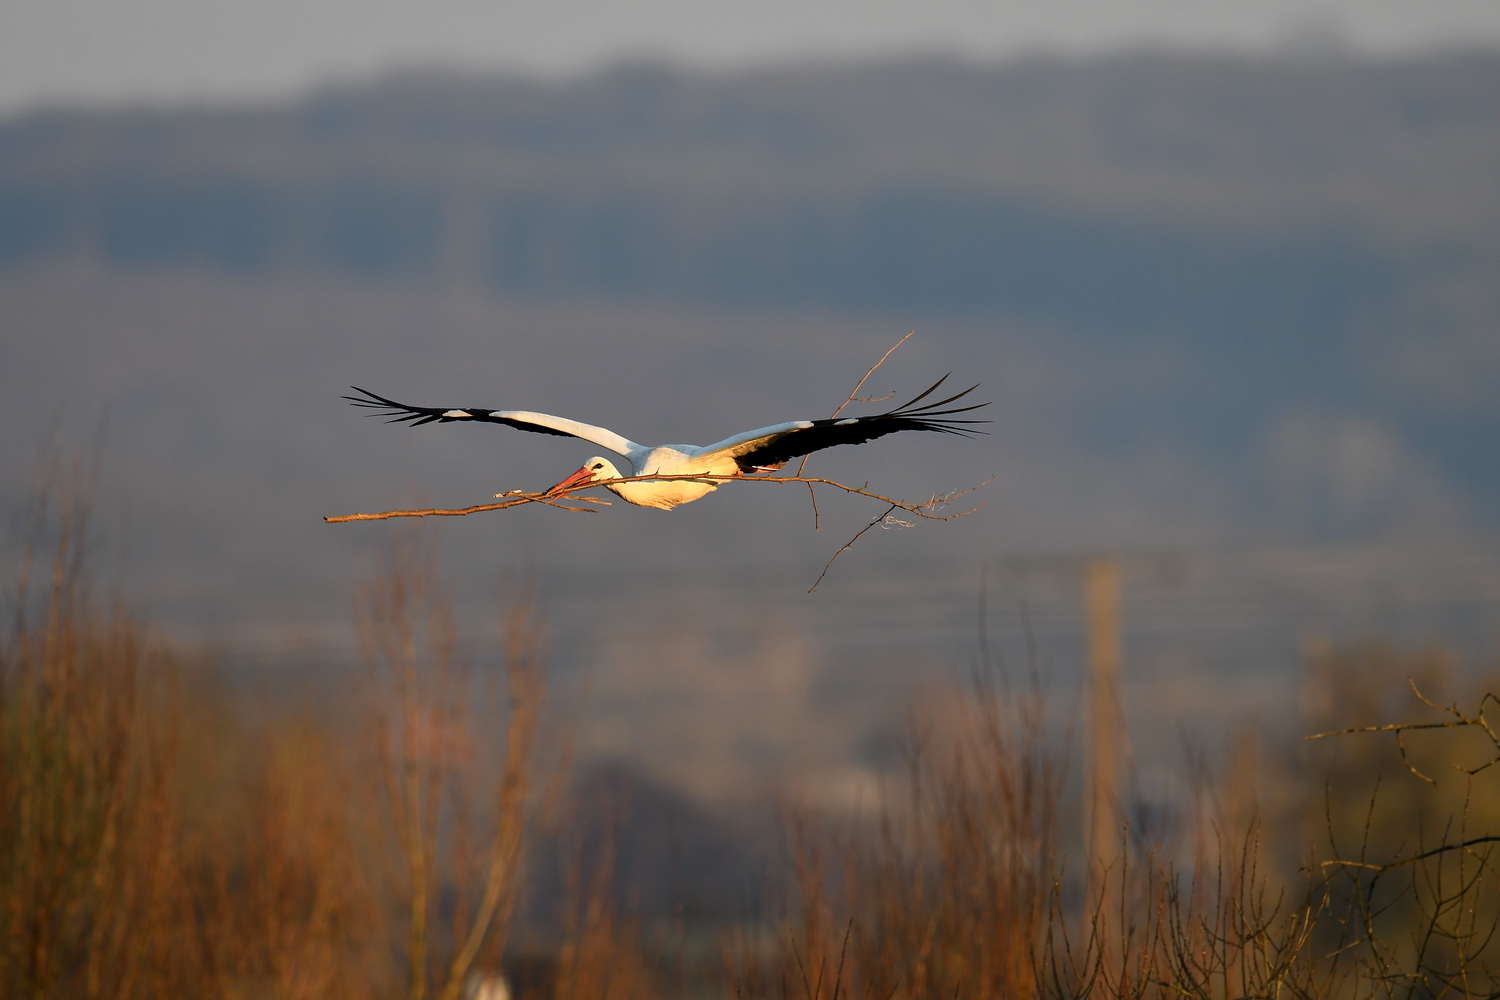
(772, 446)
(525, 420)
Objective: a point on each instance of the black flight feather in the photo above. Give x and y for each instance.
(835, 431)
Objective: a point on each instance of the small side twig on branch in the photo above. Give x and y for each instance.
(848, 545)
(860, 384)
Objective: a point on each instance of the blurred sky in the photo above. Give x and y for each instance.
(123, 51)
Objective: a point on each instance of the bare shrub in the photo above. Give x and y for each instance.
(1409, 819)
(455, 756)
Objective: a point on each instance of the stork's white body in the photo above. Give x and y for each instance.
(671, 460)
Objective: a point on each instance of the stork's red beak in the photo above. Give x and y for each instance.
(578, 478)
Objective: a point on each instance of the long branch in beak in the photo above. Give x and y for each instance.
(578, 478)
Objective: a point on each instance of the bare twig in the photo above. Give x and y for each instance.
(850, 398)
(1434, 852)
(848, 544)
(511, 500)
(1380, 871)
(802, 466)
(1459, 720)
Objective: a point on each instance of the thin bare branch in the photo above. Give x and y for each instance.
(848, 545)
(923, 509)
(860, 385)
(926, 509)
(1458, 720)
(511, 500)
(1434, 852)
(802, 467)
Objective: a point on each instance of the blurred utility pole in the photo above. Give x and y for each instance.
(1103, 821)
(1106, 770)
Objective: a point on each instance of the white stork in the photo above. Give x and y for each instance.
(761, 450)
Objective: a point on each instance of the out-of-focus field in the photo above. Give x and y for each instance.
(421, 833)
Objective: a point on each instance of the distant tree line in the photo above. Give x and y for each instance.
(1267, 206)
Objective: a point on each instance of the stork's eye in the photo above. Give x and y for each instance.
(598, 466)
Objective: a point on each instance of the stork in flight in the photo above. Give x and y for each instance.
(762, 450)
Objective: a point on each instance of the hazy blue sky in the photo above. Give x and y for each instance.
(175, 50)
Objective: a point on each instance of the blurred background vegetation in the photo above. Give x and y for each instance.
(425, 833)
(1238, 317)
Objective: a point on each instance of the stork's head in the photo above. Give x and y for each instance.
(595, 470)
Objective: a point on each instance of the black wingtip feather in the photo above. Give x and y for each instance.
(951, 399)
(930, 390)
(410, 415)
(372, 400)
(908, 409)
(932, 416)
